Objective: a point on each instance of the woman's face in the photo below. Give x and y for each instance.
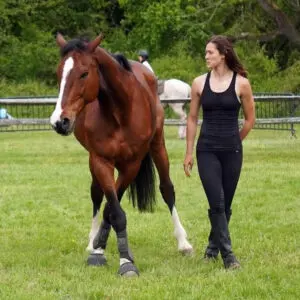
(213, 57)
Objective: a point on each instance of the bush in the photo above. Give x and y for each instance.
(179, 64)
(258, 65)
(27, 88)
(23, 60)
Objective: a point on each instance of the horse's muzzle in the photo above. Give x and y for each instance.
(64, 126)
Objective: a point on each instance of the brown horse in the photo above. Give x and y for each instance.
(113, 108)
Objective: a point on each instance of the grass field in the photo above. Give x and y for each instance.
(45, 215)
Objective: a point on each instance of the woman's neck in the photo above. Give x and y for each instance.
(221, 72)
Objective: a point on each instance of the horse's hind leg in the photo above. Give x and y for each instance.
(160, 157)
(178, 109)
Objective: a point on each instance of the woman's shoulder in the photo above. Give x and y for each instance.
(199, 81)
(200, 78)
(243, 85)
(242, 81)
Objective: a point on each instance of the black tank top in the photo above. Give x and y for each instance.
(220, 128)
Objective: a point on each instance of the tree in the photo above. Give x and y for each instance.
(286, 26)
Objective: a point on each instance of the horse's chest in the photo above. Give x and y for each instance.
(115, 149)
(126, 151)
(119, 145)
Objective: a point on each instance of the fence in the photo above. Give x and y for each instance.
(273, 112)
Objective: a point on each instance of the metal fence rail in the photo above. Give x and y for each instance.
(273, 111)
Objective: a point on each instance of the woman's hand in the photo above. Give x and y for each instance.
(188, 164)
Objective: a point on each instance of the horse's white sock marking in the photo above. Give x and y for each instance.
(124, 261)
(98, 251)
(68, 66)
(180, 234)
(94, 230)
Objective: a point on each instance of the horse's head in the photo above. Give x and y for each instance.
(78, 78)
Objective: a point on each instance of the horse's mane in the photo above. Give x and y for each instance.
(123, 61)
(73, 45)
(80, 44)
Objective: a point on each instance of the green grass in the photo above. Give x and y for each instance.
(45, 215)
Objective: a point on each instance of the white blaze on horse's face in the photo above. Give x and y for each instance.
(68, 66)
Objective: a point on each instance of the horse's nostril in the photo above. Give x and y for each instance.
(65, 122)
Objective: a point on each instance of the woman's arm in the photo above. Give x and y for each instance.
(248, 106)
(192, 121)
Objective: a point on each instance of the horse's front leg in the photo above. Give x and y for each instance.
(97, 257)
(98, 238)
(114, 214)
(97, 198)
(160, 158)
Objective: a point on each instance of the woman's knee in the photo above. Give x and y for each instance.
(217, 209)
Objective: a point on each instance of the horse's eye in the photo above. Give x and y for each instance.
(84, 75)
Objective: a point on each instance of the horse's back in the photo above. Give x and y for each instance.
(149, 80)
(176, 88)
(144, 76)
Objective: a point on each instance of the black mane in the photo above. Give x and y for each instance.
(73, 45)
(80, 44)
(123, 61)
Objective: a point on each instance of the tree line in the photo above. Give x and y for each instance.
(265, 33)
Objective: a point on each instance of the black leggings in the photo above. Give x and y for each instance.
(219, 172)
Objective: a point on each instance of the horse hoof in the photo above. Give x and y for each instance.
(187, 251)
(128, 270)
(96, 259)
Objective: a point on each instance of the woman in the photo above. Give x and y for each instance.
(221, 92)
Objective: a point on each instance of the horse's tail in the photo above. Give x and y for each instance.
(142, 190)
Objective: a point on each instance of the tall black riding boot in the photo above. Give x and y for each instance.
(228, 216)
(221, 239)
(212, 250)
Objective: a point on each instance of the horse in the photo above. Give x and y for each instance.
(112, 107)
(176, 89)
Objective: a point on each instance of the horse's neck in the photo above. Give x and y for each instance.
(110, 108)
(110, 103)
(116, 77)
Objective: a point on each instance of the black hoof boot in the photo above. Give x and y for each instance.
(101, 237)
(230, 262)
(128, 269)
(96, 259)
(210, 256)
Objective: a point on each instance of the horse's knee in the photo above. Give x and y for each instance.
(106, 213)
(118, 220)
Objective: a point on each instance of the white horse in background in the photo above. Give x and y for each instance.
(176, 89)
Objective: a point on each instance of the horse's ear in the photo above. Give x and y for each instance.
(95, 43)
(61, 42)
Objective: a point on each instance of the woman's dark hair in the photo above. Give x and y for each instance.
(225, 47)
